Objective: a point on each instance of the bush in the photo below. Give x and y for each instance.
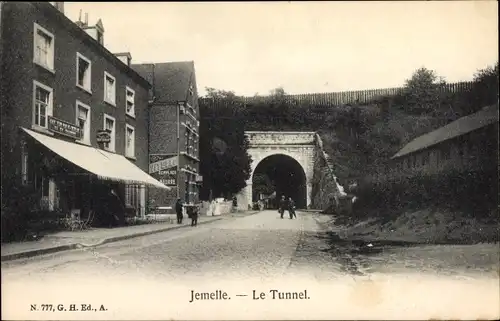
(474, 194)
(17, 211)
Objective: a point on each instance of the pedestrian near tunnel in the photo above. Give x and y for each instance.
(282, 206)
(178, 210)
(193, 214)
(291, 208)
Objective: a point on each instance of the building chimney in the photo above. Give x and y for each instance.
(80, 23)
(125, 57)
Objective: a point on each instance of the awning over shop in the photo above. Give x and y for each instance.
(105, 165)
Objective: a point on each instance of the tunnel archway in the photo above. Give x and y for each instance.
(287, 177)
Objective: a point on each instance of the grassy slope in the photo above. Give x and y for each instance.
(355, 157)
(357, 154)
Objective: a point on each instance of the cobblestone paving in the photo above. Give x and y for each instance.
(261, 245)
(345, 279)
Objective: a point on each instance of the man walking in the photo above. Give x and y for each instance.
(178, 210)
(291, 208)
(194, 215)
(282, 206)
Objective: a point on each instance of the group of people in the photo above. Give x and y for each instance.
(192, 212)
(287, 205)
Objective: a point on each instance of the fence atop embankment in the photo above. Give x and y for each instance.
(347, 97)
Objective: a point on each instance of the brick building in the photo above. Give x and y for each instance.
(74, 115)
(173, 131)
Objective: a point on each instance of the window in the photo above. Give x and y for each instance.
(445, 152)
(42, 104)
(109, 89)
(425, 158)
(43, 45)
(99, 37)
(83, 121)
(129, 141)
(130, 101)
(42, 184)
(135, 196)
(109, 125)
(46, 189)
(131, 198)
(189, 142)
(83, 72)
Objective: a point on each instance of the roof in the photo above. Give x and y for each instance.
(171, 80)
(72, 26)
(123, 54)
(486, 116)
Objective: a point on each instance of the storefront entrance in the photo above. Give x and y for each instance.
(62, 186)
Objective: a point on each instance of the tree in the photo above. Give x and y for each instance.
(220, 94)
(278, 92)
(262, 184)
(423, 91)
(485, 87)
(224, 159)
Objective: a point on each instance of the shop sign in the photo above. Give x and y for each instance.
(199, 179)
(103, 136)
(164, 168)
(62, 127)
(161, 162)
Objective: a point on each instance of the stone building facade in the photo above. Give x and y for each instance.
(173, 132)
(74, 115)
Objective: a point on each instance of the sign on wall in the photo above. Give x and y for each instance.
(103, 136)
(164, 168)
(62, 127)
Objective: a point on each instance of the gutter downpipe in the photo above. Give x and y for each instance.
(178, 148)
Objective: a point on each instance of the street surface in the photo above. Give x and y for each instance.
(153, 276)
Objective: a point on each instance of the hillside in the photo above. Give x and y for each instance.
(360, 129)
(365, 146)
(359, 138)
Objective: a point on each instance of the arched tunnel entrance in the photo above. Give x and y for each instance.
(281, 174)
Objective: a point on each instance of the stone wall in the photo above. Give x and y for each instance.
(325, 194)
(216, 209)
(323, 185)
(298, 145)
(272, 138)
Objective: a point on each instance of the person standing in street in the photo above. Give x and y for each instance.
(178, 210)
(282, 206)
(194, 215)
(291, 208)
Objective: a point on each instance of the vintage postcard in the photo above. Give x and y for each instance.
(249, 160)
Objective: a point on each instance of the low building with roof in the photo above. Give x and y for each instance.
(468, 144)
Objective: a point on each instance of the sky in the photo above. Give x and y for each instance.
(304, 47)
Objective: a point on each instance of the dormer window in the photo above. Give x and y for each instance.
(96, 32)
(99, 37)
(99, 32)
